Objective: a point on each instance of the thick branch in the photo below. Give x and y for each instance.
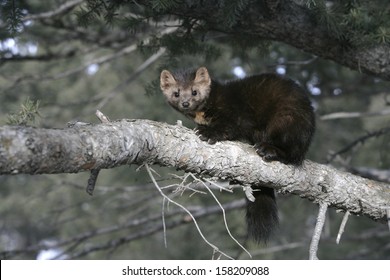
(35, 151)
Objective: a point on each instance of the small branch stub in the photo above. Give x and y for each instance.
(92, 181)
(95, 172)
(342, 226)
(103, 118)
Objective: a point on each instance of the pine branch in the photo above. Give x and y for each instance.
(62, 9)
(12, 15)
(80, 148)
(301, 27)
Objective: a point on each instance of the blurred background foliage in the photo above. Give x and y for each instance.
(107, 55)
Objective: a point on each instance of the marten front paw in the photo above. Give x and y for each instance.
(207, 135)
(269, 152)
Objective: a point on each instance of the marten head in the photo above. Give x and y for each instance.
(186, 91)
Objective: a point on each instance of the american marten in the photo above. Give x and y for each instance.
(271, 112)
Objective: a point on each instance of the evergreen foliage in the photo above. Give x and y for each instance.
(12, 14)
(358, 22)
(232, 11)
(27, 114)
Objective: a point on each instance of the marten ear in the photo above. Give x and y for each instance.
(166, 80)
(202, 76)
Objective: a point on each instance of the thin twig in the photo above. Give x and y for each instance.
(151, 227)
(388, 217)
(218, 186)
(294, 62)
(350, 115)
(342, 226)
(67, 6)
(277, 248)
(98, 61)
(133, 76)
(317, 231)
(224, 217)
(200, 181)
(360, 140)
(148, 169)
(163, 222)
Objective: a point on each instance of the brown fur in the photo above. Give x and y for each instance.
(271, 112)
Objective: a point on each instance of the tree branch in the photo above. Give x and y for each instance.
(295, 25)
(62, 9)
(31, 150)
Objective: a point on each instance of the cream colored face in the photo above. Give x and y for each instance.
(186, 96)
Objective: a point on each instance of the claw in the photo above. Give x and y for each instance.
(268, 152)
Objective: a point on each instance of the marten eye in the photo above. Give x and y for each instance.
(194, 92)
(176, 94)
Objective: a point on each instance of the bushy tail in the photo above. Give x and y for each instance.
(262, 214)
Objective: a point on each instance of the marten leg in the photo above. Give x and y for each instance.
(215, 133)
(285, 139)
(269, 152)
(264, 147)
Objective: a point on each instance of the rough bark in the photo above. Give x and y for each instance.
(31, 150)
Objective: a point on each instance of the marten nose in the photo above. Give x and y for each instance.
(185, 104)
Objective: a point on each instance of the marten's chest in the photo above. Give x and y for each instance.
(200, 118)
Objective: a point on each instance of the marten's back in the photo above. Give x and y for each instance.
(262, 96)
(266, 108)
